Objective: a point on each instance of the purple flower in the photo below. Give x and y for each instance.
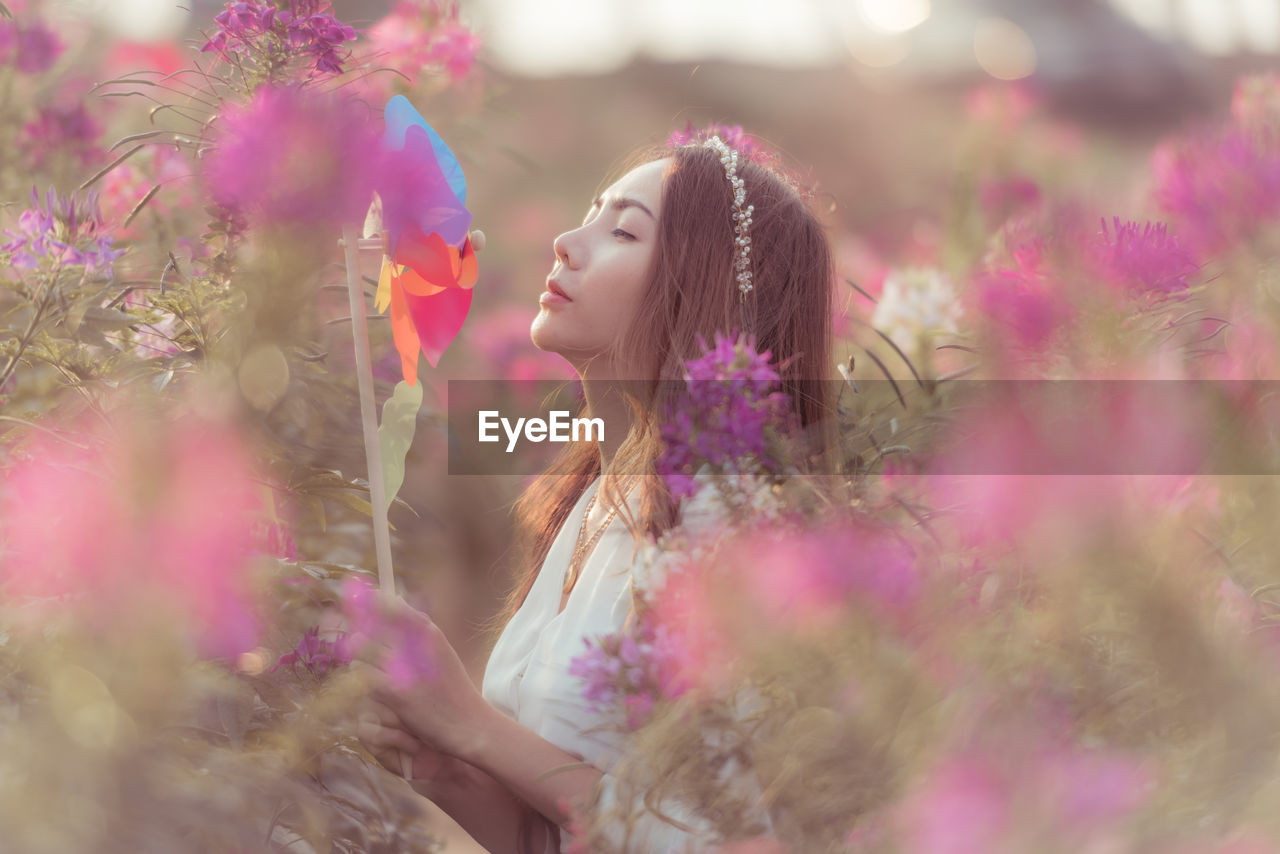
(1143, 261)
(67, 128)
(256, 31)
(319, 657)
(66, 231)
(631, 672)
(292, 156)
(733, 136)
(731, 416)
(32, 48)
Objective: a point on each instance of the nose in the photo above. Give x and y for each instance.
(568, 250)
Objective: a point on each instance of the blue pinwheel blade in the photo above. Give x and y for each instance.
(401, 115)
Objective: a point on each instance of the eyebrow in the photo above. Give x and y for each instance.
(623, 203)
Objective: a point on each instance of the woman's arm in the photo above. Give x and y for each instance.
(446, 712)
(483, 807)
(536, 771)
(489, 812)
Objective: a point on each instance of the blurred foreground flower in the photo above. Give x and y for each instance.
(410, 654)
(1019, 800)
(291, 157)
(144, 521)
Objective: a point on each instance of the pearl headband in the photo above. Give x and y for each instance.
(741, 215)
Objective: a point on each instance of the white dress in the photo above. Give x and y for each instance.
(527, 675)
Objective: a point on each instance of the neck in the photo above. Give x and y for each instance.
(607, 401)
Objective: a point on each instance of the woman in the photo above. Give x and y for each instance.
(696, 239)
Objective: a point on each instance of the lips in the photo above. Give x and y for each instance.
(554, 287)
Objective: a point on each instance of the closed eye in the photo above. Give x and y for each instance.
(617, 232)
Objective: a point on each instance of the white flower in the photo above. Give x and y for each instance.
(916, 303)
(706, 521)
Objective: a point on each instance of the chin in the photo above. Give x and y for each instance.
(541, 336)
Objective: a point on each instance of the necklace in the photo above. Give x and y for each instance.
(581, 549)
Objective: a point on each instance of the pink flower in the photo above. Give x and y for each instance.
(1250, 350)
(1022, 306)
(733, 136)
(1032, 787)
(125, 57)
(453, 47)
(32, 48)
(417, 34)
(1001, 199)
(127, 184)
(1219, 187)
(68, 129)
(1003, 105)
(806, 580)
(1236, 608)
(1255, 102)
(146, 518)
(963, 808)
(293, 157)
(318, 656)
(410, 657)
(1146, 261)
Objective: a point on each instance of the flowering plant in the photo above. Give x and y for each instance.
(264, 42)
(731, 417)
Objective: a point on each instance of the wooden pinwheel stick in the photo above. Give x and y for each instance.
(368, 413)
(369, 426)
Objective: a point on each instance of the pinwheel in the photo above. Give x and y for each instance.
(430, 267)
(428, 270)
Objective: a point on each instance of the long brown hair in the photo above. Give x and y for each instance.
(692, 293)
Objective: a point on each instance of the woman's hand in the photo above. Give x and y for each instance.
(435, 702)
(382, 733)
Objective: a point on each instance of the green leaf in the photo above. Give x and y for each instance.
(395, 434)
(108, 318)
(4, 12)
(350, 499)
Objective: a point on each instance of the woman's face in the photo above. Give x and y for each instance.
(601, 270)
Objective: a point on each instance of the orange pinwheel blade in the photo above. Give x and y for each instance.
(404, 333)
(414, 285)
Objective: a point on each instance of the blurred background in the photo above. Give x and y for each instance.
(890, 109)
(919, 124)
